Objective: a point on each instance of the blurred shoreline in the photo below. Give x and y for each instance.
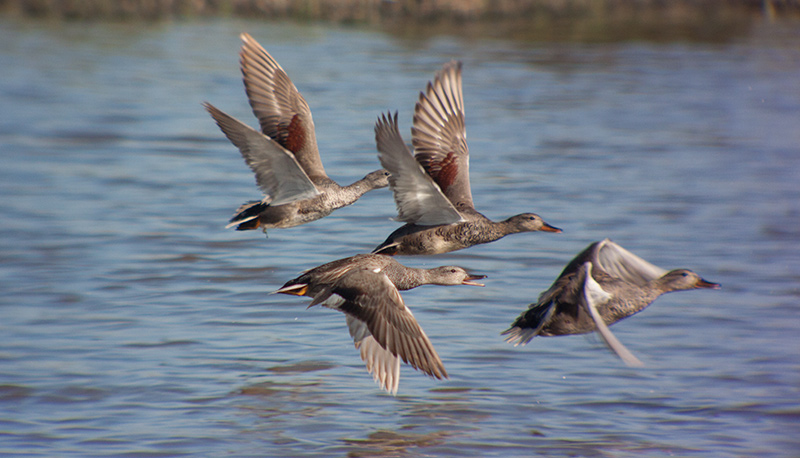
(377, 12)
(519, 20)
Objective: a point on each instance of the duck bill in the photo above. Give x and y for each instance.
(548, 228)
(707, 284)
(470, 280)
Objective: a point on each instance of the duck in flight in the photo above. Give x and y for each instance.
(284, 155)
(366, 289)
(431, 186)
(603, 284)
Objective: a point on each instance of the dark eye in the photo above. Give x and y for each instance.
(684, 274)
(452, 271)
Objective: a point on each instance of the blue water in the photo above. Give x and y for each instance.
(133, 324)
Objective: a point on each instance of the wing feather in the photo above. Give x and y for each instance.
(439, 135)
(277, 172)
(418, 198)
(281, 110)
(621, 263)
(593, 296)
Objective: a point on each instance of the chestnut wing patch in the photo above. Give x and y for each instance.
(293, 135)
(444, 172)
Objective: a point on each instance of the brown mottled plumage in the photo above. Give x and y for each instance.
(603, 284)
(366, 288)
(431, 187)
(284, 155)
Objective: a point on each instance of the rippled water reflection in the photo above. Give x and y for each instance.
(134, 325)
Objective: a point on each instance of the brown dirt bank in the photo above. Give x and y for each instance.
(520, 20)
(377, 11)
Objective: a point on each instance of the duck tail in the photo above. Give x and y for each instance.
(297, 289)
(389, 249)
(529, 324)
(518, 335)
(246, 216)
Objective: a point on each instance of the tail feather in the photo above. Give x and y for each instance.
(246, 216)
(389, 249)
(519, 336)
(297, 289)
(529, 324)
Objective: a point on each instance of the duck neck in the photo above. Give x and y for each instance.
(351, 193)
(509, 226)
(411, 278)
(492, 230)
(342, 196)
(484, 230)
(652, 290)
(627, 301)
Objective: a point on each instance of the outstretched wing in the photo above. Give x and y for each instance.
(372, 298)
(380, 362)
(594, 295)
(281, 110)
(277, 172)
(419, 200)
(621, 263)
(439, 135)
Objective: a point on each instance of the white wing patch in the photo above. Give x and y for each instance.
(594, 295)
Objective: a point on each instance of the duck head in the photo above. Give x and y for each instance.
(529, 222)
(683, 279)
(378, 179)
(454, 275)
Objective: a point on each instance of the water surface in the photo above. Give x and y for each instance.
(133, 324)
